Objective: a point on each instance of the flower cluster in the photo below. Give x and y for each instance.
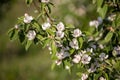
(94, 52)
(60, 28)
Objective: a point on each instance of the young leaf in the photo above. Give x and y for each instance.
(102, 11)
(53, 65)
(54, 48)
(29, 42)
(99, 3)
(80, 42)
(108, 37)
(13, 34)
(47, 41)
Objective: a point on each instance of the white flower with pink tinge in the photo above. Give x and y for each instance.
(84, 76)
(62, 54)
(74, 44)
(77, 33)
(59, 34)
(85, 59)
(27, 18)
(96, 23)
(31, 34)
(76, 58)
(46, 25)
(60, 26)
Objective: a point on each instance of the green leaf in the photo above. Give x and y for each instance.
(99, 3)
(50, 31)
(96, 77)
(49, 8)
(80, 42)
(29, 42)
(36, 25)
(29, 1)
(102, 11)
(117, 21)
(53, 65)
(54, 48)
(106, 76)
(71, 51)
(70, 26)
(107, 38)
(40, 37)
(46, 41)
(13, 33)
(21, 36)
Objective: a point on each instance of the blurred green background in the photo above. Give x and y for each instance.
(35, 64)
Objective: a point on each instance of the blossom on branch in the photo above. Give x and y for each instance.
(76, 58)
(27, 18)
(77, 33)
(62, 54)
(59, 34)
(46, 25)
(74, 44)
(31, 35)
(96, 23)
(85, 59)
(60, 26)
(84, 76)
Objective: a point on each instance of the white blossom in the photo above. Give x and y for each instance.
(85, 59)
(96, 23)
(46, 25)
(103, 56)
(76, 58)
(45, 1)
(59, 34)
(60, 26)
(31, 35)
(77, 33)
(27, 18)
(84, 76)
(62, 54)
(102, 78)
(74, 44)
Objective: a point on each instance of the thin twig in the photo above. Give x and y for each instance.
(48, 15)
